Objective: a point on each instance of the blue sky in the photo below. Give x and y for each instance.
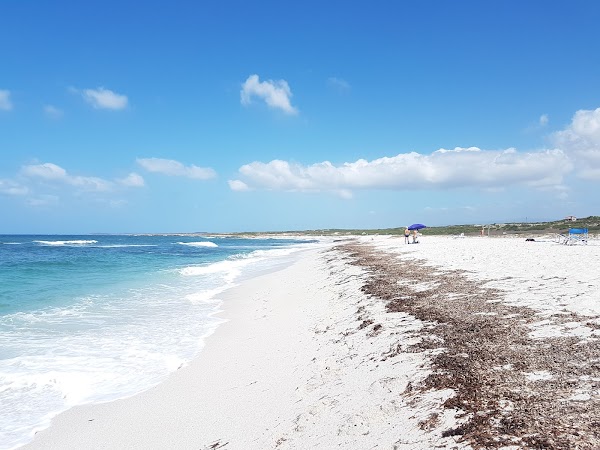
(237, 116)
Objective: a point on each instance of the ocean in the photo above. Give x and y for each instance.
(87, 319)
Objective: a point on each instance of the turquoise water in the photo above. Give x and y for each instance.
(94, 318)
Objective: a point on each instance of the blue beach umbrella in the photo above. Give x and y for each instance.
(417, 226)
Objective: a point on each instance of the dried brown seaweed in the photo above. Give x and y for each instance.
(487, 354)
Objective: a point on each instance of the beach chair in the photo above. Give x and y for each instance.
(577, 236)
(561, 238)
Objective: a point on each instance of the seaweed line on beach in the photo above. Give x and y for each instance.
(510, 389)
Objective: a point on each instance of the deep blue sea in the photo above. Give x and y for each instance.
(88, 319)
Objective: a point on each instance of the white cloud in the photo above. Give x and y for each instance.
(102, 98)
(9, 187)
(581, 141)
(53, 112)
(344, 193)
(237, 185)
(276, 94)
(132, 180)
(117, 203)
(50, 172)
(43, 200)
(46, 171)
(5, 103)
(338, 83)
(461, 167)
(589, 173)
(175, 168)
(540, 124)
(40, 185)
(586, 123)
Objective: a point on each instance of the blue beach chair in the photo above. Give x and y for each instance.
(577, 236)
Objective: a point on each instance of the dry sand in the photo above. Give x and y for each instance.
(371, 343)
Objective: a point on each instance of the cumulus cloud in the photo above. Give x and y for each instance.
(36, 182)
(176, 169)
(237, 185)
(52, 112)
(9, 187)
(5, 103)
(46, 171)
(581, 141)
(52, 173)
(344, 193)
(276, 94)
(102, 98)
(460, 167)
(43, 200)
(132, 180)
(543, 121)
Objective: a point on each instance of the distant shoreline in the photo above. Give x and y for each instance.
(495, 229)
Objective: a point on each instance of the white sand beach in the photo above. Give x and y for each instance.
(353, 346)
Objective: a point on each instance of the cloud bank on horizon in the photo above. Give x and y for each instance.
(460, 167)
(576, 150)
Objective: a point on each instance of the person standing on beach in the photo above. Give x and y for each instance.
(406, 236)
(415, 237)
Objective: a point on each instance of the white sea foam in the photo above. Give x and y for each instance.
(124, 245)
(271, 253)
(199, 244)
(208, 296)
(109, 347)
(236, 266)
(73, 242)
(104, 347)
(229, 269)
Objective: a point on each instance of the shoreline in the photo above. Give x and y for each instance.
(292, 367)
(188, 394)
(372, 342)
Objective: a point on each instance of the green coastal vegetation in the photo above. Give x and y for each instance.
(493, 229)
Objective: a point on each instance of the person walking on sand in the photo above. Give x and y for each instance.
(406, 236)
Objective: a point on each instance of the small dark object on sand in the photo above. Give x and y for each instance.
(530, 240)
